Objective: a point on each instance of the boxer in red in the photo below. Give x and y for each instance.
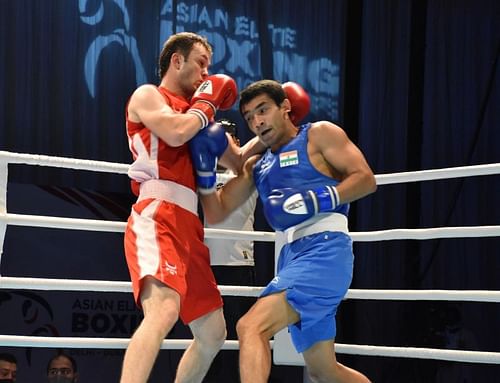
(168, 262)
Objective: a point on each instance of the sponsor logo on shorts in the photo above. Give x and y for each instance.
(275, 280)
(172, 269)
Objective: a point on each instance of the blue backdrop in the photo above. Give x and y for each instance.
(415, 84)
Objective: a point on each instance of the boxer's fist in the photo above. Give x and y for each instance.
(288, 207)
(218, 91)
(206, 147)
(299, 99)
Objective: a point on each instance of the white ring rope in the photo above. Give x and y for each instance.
(114, 286)
(424, 234)
(87, 342)
(180, 344)
(62, 223)
(382, 179)
(63, 162)
(365, 236)
(420, 353)
(250, 291)
(438, 174)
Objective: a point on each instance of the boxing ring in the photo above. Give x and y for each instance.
(282, 351)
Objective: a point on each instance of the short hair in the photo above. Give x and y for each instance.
(271, 88)
(8, 357)
(181, 42)
(61, 354)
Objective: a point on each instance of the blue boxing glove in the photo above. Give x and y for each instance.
(206, 147)
(288, 207)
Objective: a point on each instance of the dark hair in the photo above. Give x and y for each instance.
(8, 357)
(181, 42)
(61, 354)
(269, 87)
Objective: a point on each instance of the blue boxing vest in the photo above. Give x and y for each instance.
(289, 167)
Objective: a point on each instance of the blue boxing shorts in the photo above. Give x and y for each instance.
(316, 271)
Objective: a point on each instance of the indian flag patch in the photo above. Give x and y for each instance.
(289, 158)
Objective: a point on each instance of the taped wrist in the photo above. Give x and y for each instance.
(205, 111)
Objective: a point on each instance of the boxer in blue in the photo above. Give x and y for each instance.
(306, 180)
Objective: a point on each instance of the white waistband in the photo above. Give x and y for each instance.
(330, 222)
(171, 192)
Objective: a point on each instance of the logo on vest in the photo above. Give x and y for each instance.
(289, 159)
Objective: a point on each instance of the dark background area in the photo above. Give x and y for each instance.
(415, 84)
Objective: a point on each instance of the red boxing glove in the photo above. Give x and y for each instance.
(218, 91)
(299, 99)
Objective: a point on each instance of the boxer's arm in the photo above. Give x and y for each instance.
(333, 153)
(219, 204)
(234, 157)
(148, 106)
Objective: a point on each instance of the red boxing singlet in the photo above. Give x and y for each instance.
(164, 235)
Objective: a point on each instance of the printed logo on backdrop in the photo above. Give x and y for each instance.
(235, 38)
(120, 36)
(28, 314)
(55, 315)
(94, 316)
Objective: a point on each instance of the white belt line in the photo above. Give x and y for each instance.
(169, 191)
(319, 224)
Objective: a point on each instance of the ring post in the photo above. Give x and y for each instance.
(3, 201)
